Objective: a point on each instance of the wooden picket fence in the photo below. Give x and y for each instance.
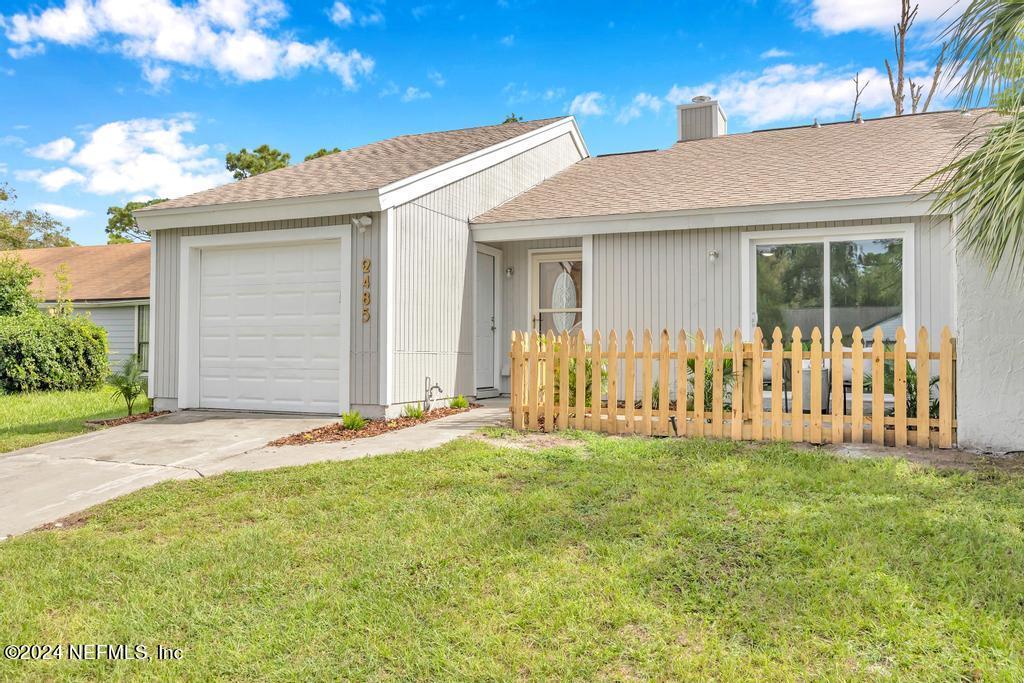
(814, 394)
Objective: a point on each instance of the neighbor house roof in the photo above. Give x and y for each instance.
(364, 168)
(876, 158)
(104, 273)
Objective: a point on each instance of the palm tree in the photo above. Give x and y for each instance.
(985, 185)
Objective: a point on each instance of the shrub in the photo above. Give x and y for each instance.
(353, 420)
(40, 353)
(413, 411)
(15, 281)
(129, 384)
(459, 402)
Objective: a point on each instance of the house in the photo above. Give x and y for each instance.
(395, 272)
(108, 283)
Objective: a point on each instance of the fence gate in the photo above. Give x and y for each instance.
(848, 389)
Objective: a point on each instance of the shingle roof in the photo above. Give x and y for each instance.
(877, 158)
(103, 273)
(361, 168)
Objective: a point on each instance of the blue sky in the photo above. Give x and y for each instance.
(110, 100)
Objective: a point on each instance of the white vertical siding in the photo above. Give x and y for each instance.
(164, 335)
(433, 261)
(666, 280)
(119, 322)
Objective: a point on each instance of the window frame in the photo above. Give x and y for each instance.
(554, 255)
(825, 236)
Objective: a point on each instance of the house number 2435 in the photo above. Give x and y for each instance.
(366, 289)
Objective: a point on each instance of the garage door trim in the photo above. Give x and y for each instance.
(188, 301)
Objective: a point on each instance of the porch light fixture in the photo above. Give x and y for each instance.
(363, 223)
(509, 272)
(712, 256)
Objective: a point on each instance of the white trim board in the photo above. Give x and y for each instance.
(363, 201)
(188, 309)
(905, 231)
(696, 219)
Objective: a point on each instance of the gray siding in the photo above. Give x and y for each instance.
(665, 279)
(433, 266)
(164, 335)
(119, 322)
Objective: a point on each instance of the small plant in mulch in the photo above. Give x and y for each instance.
(459, 402)
(413, 411)
(337, 431)
(353, 421)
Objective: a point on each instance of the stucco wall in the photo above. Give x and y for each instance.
(990, 359)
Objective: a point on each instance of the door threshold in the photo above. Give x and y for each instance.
(487, 393)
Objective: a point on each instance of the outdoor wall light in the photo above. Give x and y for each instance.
(363, 223)
(712, 256)
(509, 272)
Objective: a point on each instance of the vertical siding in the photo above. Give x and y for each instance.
(666, 280)
(119, 322)
(433, 261)
(164, 335)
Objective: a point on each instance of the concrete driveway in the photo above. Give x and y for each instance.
(44, 483)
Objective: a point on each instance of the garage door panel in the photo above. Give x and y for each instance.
(269, 328)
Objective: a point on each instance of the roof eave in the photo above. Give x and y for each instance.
(861, 208)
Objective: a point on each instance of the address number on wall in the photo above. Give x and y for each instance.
(367, 267)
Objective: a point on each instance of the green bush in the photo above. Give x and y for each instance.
(353, 420)
(41, 353)
(459, 402)
(16, 297)
(128, 383)
(413, 411)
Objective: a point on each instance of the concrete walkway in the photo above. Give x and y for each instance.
(44, 483)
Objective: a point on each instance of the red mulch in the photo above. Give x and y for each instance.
(138, 417)
(335, 432)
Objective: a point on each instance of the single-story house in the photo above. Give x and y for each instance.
(108, 283)
(395, 272)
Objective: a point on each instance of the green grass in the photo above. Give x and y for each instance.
(35, 418)
(603, 559)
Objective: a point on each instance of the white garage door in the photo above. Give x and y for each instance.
(269, 328)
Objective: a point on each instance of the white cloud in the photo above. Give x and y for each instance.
(436, 78)
(775, 53)
(26, 50)
(412, 93)
(788, 92)
(156, 75)
(840, 16)
(236, 38)
(57, 180)
(54, 150)
(509, 40)
(340, 14)
(149, 157)
(642, 101)
(587, 104)
(374, 18)
(61, 211)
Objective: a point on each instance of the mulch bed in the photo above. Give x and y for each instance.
(138, 417)
(335, 432)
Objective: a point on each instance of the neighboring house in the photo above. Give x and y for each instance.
(108, 283)
(438, 245)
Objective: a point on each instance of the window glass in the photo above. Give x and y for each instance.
(561, 284)
(790, 287)
(560, 322)
(143, 327)
(867, 286)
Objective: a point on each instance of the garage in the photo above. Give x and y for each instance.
(265, 321)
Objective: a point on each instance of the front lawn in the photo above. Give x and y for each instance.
(602, 558)
(34, 418)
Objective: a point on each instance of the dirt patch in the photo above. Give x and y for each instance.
(335, 432)
(530, 441)
(127, 419)
(72, 521)
(933, 457)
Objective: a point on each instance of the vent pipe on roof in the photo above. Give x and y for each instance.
(701, 119)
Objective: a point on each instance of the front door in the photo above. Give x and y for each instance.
(486, 327)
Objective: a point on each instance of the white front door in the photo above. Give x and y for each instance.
(486, 322)
(269, 327)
